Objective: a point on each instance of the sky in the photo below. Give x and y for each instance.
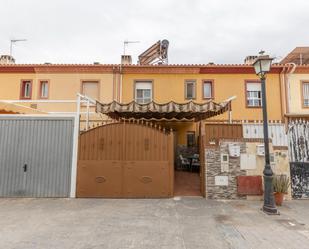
(199, 31)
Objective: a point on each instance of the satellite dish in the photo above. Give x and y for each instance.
(164, 48)
(165, 43)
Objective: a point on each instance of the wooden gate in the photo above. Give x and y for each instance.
(125, 160)
(215, 132)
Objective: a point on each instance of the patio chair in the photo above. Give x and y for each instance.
(195, 166)
(184, 163)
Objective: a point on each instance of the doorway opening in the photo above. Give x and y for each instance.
(187, 184)
(187, 177)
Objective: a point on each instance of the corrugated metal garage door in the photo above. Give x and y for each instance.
(36, 156)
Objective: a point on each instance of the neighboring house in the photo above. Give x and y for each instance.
(53, 88)
(296, 82)
(296, 109)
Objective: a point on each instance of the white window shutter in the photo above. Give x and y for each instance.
(253, 87)
(143, 85)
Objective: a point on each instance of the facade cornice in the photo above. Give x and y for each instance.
(143, 69)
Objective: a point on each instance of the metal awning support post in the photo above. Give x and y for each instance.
(230, 113)
(75, 148)
(80, 99)
(87, 115)
(230, 108)
(88, 100)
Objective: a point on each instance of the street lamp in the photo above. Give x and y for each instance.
(262, 66)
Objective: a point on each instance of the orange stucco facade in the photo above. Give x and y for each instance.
(117, 82)
(296, 94)
(167, 87)
(168, 84)
(64, 82)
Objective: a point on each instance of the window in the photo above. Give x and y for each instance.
(254, 94)
(208, 89)
(190, 89)
(190, 138)
(91, 89)
(26, 89)
(305, 94)
(143, 92)
(44, 88)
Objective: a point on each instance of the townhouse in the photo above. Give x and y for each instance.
(52, 88)
(201, 83)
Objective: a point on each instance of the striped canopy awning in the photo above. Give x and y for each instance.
(167, 111)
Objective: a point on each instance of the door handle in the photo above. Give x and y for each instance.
(25, 167)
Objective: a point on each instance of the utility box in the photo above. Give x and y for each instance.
(224, 162)
(234, 150)
(249, 185)
(260, 150)
(221, 180)
(247, 161)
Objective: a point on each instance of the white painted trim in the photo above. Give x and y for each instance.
(120, 84)
(288, 92)
(84, 98)
(230, 99)
(75, 150)
(40, 101)
(87, 115)
(71, 113)
(39, 115)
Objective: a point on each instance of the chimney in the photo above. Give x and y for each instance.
(126, 59)
(7, 59)
(250, 59)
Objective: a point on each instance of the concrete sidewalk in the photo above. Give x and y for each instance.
(158, 223)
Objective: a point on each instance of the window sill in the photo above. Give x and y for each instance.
(254, 107)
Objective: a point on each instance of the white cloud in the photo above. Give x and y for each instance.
(199, 31)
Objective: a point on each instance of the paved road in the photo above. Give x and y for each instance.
(165, 223)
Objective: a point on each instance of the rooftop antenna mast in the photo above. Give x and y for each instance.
(126, 43)
(14, 41)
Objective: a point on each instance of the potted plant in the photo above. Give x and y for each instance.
(281, 184)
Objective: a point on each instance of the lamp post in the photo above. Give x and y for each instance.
(262, 66)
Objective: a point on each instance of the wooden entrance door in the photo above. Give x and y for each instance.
(125, 160)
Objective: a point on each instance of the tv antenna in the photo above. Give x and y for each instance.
(126, 43)
(14, 41)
